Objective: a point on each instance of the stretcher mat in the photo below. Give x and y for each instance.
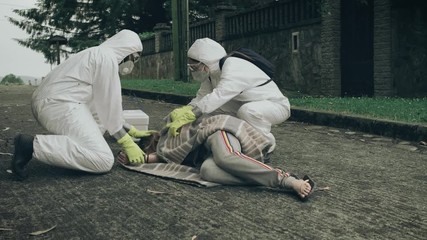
(173, 171)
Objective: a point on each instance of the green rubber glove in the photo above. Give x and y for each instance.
(133, 132)
(134, 153)
(180, 117)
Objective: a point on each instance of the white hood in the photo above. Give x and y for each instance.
(123, 44)
(91, 77)
(208, 52)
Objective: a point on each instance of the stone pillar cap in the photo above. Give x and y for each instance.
(225, 7)
(161, 27)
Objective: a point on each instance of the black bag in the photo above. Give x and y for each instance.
(253, 57)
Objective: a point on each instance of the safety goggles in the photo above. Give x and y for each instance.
(195, 66)
(134, 57)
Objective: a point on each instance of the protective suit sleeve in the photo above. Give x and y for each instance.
(205, 88)
(107, 96)
(119, 134)
(237, 76)
(226, 90)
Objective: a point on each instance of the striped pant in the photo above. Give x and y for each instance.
(229, 166)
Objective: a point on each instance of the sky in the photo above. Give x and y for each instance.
(14, 58)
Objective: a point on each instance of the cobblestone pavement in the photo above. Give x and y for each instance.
(376, 190)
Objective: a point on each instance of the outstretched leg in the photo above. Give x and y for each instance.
(227, 156)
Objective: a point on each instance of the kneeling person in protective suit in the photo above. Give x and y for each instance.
(239, 89)
(77, 102)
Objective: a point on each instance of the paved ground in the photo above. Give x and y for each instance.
(377, 190)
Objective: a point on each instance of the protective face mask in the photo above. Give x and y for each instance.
(126, 67)
(200, 76)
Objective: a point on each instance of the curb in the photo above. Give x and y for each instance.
(393, 129)
(166, 97)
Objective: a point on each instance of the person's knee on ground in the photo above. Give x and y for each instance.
(104, 164)
(94, 162)
(76, 141)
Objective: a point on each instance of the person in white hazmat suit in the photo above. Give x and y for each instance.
(77, 102)
(238, 89)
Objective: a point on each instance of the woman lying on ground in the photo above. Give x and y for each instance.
(226, 150)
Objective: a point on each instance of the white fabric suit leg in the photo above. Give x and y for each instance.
(78, 142)
(262, 115)
(227, 156)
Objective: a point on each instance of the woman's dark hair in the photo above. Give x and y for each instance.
(149, 144)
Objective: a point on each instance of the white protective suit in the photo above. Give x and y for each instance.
(235, 89)
(84, 87)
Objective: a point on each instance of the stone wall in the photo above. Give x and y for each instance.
(154, 66)
(399, 46)
(296, 71)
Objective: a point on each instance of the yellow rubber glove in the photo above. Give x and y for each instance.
(180, 117)
(182, 112)
(134, 153)
(133, 132)
(174, 127)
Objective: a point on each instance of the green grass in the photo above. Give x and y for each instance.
(163, 86)
(409, 110)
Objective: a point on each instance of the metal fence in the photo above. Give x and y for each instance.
(203, 29)
(165, 42)
(273, 17)
(149, 46)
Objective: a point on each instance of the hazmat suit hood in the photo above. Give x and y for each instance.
(123, 44)
(208, 52)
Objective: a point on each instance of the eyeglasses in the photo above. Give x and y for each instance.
(194, 66)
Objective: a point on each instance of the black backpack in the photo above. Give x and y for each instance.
(253, 57)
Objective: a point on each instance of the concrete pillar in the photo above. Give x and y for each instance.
(383, 81)
(159, 29)
(331, 48)
(180, 39)
(221, 12)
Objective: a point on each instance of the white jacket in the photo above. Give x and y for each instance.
(92, 77)
(236, 84)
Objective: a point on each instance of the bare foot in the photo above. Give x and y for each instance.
(301, 187)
